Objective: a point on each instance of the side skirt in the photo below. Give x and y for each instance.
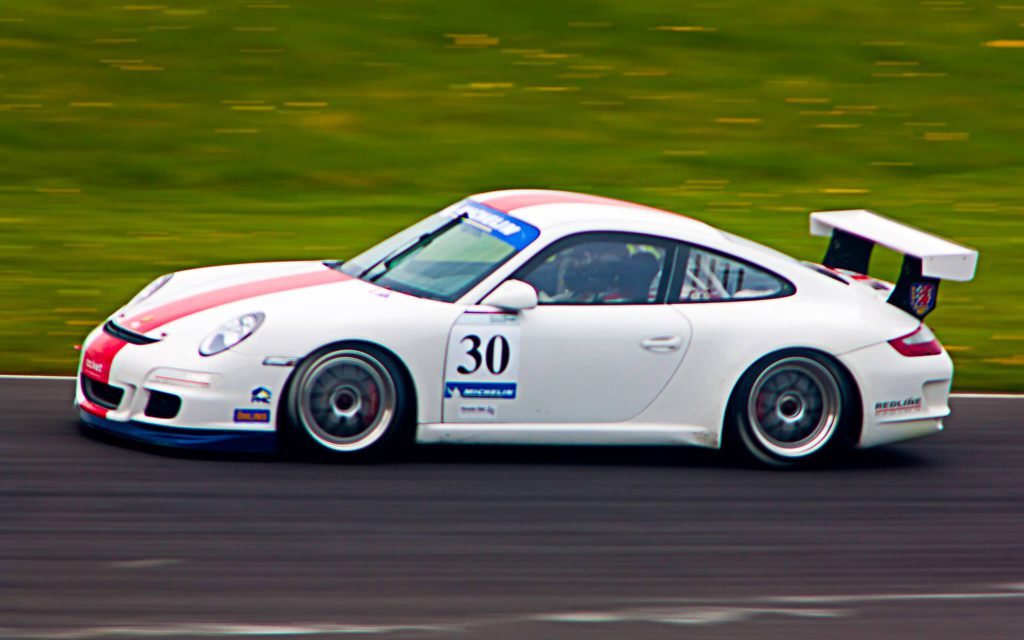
(614, 434)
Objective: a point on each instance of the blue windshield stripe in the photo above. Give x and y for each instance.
(510, 230)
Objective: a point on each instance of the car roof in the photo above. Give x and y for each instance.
(544, 209)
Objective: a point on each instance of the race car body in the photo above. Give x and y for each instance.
(538, 317)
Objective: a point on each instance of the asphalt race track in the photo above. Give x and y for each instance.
(97, 540)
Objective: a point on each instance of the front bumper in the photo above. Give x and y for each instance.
(236, 410)
(182, 438)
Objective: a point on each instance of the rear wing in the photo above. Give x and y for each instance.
(927, 258)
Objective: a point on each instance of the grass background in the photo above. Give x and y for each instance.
(138, 139)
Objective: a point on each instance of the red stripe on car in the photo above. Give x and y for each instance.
(94, 409)
(511, 202)
(100, 354)
(153, 318)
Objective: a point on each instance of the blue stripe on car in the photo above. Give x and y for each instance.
(199, 439)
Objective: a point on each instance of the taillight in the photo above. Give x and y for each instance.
(921, 342)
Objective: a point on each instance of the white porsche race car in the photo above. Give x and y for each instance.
(538, 317)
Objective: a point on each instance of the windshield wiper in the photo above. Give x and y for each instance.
(421, 242)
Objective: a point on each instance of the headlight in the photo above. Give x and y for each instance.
(150, 289)
(231, 333)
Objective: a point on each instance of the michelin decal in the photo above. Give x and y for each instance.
(482, 364)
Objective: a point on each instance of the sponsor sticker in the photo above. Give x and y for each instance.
(482, 364)
(492, 220)
(897, 406)
(500, 225)
(92, 365)
(503, 390)
(478, 411)
(260, 395)
(922, 297)
(252, 415)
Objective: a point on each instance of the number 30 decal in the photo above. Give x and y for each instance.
(496, 354)
(481, 371)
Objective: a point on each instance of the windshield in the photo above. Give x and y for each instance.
(445, 255)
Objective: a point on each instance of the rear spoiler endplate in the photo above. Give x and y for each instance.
(927, 258)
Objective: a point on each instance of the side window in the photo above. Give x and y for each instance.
(713, 277)
(598, 268)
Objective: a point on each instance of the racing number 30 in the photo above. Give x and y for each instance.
(496, 354)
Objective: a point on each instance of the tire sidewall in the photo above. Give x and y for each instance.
(398, 433)
(740, 437)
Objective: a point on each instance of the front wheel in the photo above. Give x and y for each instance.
(348, 403)
(792, 409)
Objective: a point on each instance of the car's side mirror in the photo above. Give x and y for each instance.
(512, 295)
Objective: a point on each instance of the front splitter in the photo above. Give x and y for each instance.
(196, 439)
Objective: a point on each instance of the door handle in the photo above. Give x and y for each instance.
(662, 344)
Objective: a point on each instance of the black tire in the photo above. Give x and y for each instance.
(793, 408)
(348, 403)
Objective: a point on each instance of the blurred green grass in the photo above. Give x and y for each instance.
(139, 139)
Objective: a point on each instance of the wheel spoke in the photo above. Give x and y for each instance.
(793, 407)
(346, 400)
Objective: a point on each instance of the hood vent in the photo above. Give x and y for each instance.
(119, 332)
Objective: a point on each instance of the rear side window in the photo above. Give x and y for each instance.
(709, 276)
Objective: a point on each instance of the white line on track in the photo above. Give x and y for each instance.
(685, 611)
(898, 597)
(214, 631)
(963, 396)
(688, 615)
(145, 563)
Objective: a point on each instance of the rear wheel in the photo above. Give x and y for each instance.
(349, 403)
(791, 409)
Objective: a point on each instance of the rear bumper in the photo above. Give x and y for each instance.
(902, 398)
(183, 438)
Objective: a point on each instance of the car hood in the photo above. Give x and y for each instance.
(197, 301)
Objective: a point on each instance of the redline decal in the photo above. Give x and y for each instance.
(891, 406)
(103, 349)
(509, 203)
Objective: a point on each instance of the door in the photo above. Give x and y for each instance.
(599, 347)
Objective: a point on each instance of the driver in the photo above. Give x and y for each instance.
(589, 272)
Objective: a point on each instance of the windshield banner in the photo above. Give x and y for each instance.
(500, 225)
